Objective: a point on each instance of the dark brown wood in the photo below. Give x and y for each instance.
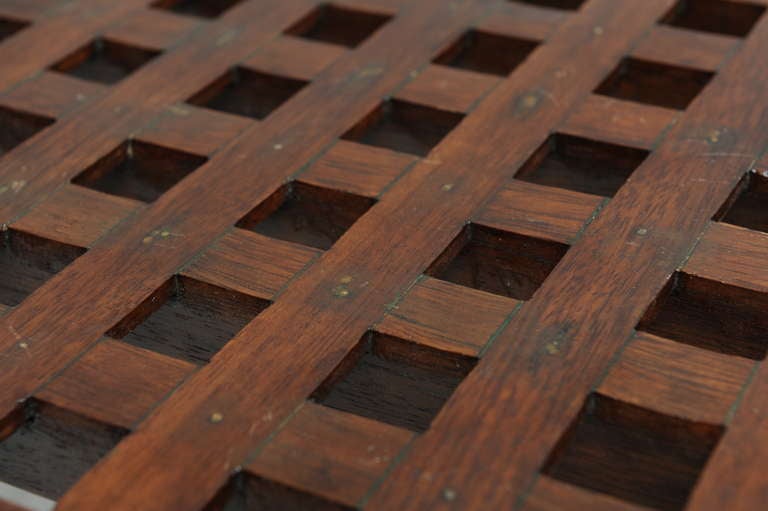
(380, 254)
(116, 383)
(335, 455)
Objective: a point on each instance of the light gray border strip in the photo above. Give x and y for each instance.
(25, 499)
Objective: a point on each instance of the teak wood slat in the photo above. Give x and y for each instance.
(380, 254)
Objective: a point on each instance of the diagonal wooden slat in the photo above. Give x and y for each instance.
(325, 309)
(379, 254)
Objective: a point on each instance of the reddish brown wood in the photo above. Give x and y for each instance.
(52, 94)
(5, 506)
(447, 316)
(379, 254)
(620, 122)
(333, 279)
(333, 454)
(116, 383)
(31, 51)
(346, 167)
(686, 48)
(731, 254)
(676, 379)
(178, 127)
(446, 88)
(549, 213)
(550, 495)
(636, 242)
(77, 215)
(250, 263)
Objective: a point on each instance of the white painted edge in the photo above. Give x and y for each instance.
(25, 499)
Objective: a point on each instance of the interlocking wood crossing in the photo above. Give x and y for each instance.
(383, 254)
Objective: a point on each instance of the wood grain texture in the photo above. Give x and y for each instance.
(116, 383)
(579, 344)
(358, 169)
(686, 48)
(178, 127)
(447, 316)
(330, 280)
(77, 215)
(550, 495)
(446, 88)
(250, 263)
(52, 94)
(550, 213)
(675, 379)
(6, 506)
(731, 254)
(379, 254)
(333, 454)
(620, 122)
(29, 51)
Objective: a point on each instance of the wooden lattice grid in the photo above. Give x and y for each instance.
(381, 254)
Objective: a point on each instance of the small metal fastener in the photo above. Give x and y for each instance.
(530, 100)
(449, 494)
(642, 231)
(178, 110)
(227, 37)
(216, 417)
(277, 147)
(447, 187)
(23, 345)
(370, 71)
(340, 291)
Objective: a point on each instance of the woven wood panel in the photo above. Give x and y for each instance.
(383, 254)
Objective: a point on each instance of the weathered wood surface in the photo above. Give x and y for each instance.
(380, 254)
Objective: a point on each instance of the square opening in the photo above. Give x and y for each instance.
(655, 84)
(104, 61)
(306, 214)
(249, 93)
(633, 453)
(710, 315)
(247, 492)
(581, 165)
(200, 8)
(570, 5)
(485, 52)
(17, 126)
(27, 262)
(188, 319)
(748, 204)
(8, 27)
(337, 25)
(138, 170)
(47, 449)
(498, 262)
(404, 127)
(394, 381)
(718, 16)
